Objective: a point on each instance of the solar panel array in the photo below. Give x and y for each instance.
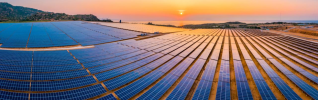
(197, 64)
(142, 27)
(55, 34)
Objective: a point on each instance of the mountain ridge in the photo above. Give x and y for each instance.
(49, 16)
(15, 13)
(9, 12)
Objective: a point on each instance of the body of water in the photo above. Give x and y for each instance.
(181, 23)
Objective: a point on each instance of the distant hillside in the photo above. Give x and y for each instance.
(14, 13)
(59, 16)
(18, 13)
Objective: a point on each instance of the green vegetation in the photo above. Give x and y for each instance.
(10, 13)
(204, 26)
(106, 20)
(236, 22)
(15, 13)
(59, 16)
(150, 23)
(277, 23)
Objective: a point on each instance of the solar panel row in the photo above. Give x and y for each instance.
(172, 66)
(288, 74)
(262, 87)
(51, 34)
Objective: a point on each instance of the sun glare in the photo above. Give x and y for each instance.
(181, 12)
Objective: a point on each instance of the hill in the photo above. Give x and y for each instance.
(59, 16)
(15, 13)
(9, 12)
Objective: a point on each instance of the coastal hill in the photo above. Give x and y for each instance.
(9, 12)
(15, 13)
(59, 16)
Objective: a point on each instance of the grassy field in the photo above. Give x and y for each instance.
(303, 31)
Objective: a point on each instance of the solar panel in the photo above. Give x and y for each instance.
(205, 54)
(87, 92)
(62, 84)
(149, 67)
(262, 86)
(13, 95)
(195, 69)
(182, 89)
(223, 91)
(195, 53)
(215, 55)
(160, 88)
(297, 68)
(226, 54)
(243, 89)
(108, 97)
(124, 69)
(182, 67)
(15, 85)
(285, 89)
(203, 90)
(304, 86)
(223, 88)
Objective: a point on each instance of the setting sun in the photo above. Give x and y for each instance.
(181, 12)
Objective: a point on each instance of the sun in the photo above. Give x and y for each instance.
(181, 12)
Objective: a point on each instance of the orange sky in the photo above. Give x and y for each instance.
(193, 9)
